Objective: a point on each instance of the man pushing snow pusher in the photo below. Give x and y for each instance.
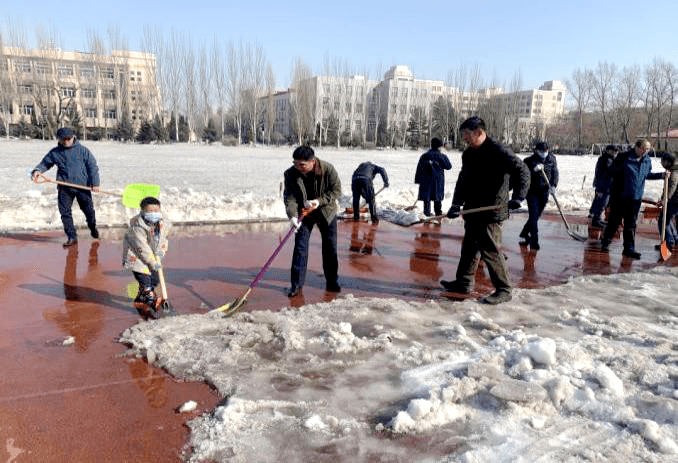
(144, 246)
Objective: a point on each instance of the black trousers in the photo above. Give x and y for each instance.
(361, 186)
(535, 207)
(625, 209)
(328, 234)
(147, 281)
(65, 197)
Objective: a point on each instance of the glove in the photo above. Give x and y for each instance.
(538, 167)
(311, 204)
(514, 204)
(155, 266)
(385, 185)
(34, 175)
(454, 212)
(296, 223)
(552, 190)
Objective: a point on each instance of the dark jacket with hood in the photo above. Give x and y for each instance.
(326, 184)
(630, 173)
(430, 175)
(602, 179)
(487, 175)
(368, 171)
(538, 185)
(74, 165)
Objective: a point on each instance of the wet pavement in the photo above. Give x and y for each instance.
(87, 401)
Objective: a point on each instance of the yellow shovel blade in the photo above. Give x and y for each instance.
(132, 290)
(135, 192)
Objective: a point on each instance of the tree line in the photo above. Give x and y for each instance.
(224, 91)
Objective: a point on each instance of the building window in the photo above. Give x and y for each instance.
(86, 72)
(68, 111)
(359, 108)
(27, 109)
(88, 92)
(111, 114)
(68, 91)
(43, 68)
(90, 112)
(107, 72)
(348, 107)
(25, 88)
(22, 66)
(65, 69)
(109, 94)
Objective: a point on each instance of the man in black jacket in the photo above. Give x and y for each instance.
(362, 185)
(541, 163)
(488, 172)
(75, 164)
(602, 181)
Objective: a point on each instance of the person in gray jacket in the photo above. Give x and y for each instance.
(75, 164)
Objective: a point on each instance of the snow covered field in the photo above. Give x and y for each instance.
(202, 183)
(585, 371)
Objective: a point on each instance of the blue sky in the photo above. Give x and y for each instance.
(540, 40)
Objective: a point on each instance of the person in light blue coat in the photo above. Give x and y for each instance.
(75, 164)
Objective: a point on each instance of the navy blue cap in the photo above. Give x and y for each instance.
(65, 132)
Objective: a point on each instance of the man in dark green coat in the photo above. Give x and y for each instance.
(312, 188)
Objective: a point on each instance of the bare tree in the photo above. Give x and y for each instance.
(219, 78)
(579, 87)
(204, 89)
(234, 86)
(602, 92)
(254, 72)
(627, 99)
(269, 124)
(302, 101)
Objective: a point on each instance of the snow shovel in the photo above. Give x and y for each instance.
(349, 210)
(664, 252)
(163, 308)
(131, 196)
(413, 206)
(570, 232)
(233, 307)
(463, 212)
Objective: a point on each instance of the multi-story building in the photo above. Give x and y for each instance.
(355, 105)
(51, 86)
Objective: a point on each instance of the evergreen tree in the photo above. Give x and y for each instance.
(210, 133)
(145, 134)
(125, 131)
(159, 131)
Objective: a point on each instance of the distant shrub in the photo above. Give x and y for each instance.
(229, 140)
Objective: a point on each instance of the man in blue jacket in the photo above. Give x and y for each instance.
(630, 171)
(430, 176)
(75, 164)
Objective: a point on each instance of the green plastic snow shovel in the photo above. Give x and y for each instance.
(131, 195)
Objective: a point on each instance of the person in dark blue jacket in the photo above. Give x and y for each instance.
(602, 181)
(630, 171)
(362, 185)
(430, 176)
(75, 164)
(538, 194)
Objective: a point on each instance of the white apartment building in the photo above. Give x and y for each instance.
(53, 84)
(356, 104)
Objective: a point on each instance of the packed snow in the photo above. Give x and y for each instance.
(583, 371)
(213, 183)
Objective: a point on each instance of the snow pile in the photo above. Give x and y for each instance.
(212, 184)
(589, 373)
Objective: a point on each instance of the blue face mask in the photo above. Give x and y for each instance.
(152, 217)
